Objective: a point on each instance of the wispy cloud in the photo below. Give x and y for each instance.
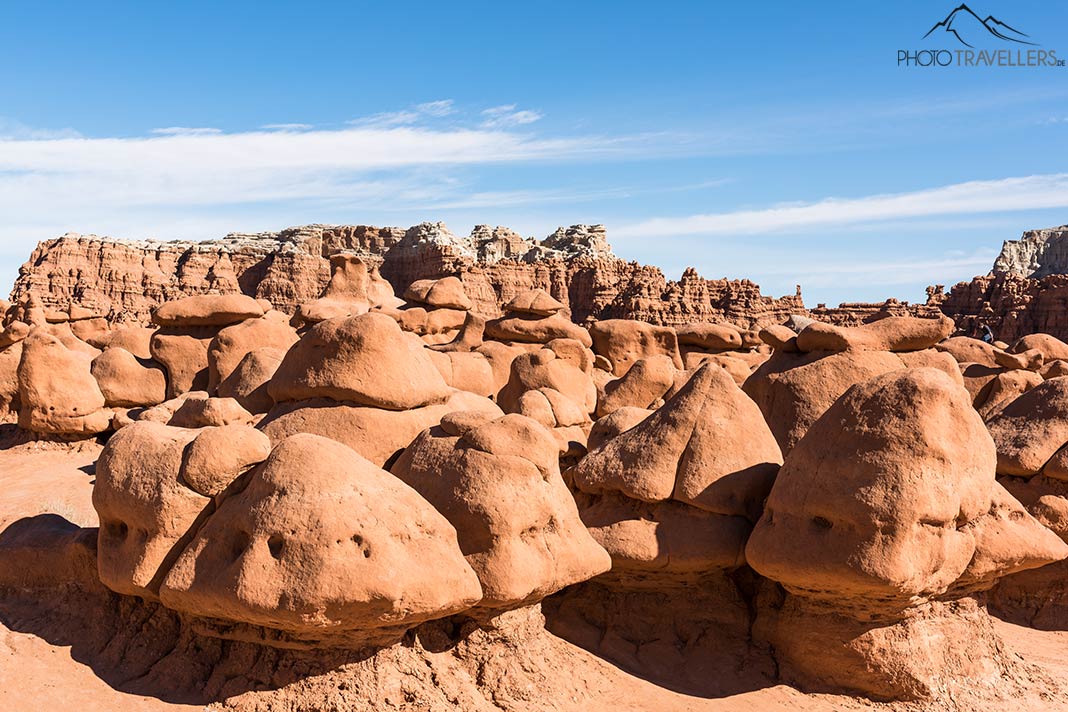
(1004, 195)
(442, 107)
(11, 129)
(185, 131)
(407, 117)
(507, 116)
(286, 127)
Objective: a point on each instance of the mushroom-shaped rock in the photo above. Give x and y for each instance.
(533, 301)
(714, 337)
(564, 366)
(365, 359)
(57, 392)
(230, 345)
(533, 329)
(623, 342)
(125, 381)
(1050, 347)
(1030, 429)
(218, 455)
(353, 289)
(444, 293)
(794, 389)
(878, 501)
(207, 310)
(183, 352)
(707, 446)
(894, 333)
(886, 508)
(145, 509)
(499, 484)
(324, 547)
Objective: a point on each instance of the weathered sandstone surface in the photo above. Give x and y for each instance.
(125, 280)
(426, 498)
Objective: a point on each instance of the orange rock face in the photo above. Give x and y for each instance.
(125, 281)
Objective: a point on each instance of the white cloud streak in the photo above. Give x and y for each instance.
(183, 168)
(185, 131)
(1004, 195)
(506, 116)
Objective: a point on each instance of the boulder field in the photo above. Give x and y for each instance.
(307, 510)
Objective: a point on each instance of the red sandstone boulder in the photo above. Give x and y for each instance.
(126, 382)
(717, 337)
(1029, 430)
(248, 382)
(499, 484)
(207, 310)
(623, 342)
(564, 365)
(230, 345)
(144, 507)
(322, 545)
(57, 392)
(642, 386)
(708, 446)
(377, 434)
(364, 359)
(894, 333)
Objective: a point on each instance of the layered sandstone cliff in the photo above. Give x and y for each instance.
(1037, 254)
(125, 280)
(1025, 292)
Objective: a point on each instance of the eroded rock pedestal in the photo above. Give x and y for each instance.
(883, 522)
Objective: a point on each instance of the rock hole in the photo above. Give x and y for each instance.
(239, 545)
(822, 522)
(117, 529)
(275, 544)
(364, 548)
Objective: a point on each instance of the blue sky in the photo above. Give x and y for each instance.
(775, 141)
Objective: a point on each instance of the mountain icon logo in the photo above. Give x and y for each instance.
(969, 28)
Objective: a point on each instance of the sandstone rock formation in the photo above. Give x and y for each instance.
(126, 280)
(498, 482)
(810, 371)
(1037, 254)
(884, 512)
(320, 544)
(381, 484)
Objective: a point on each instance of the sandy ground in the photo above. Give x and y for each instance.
(38, 676)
